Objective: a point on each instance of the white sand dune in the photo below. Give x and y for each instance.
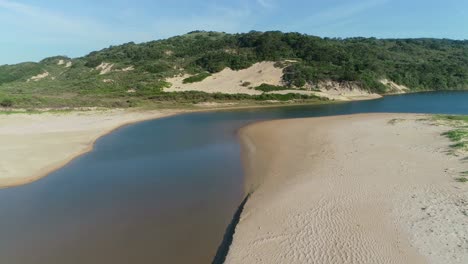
(351, 189)
(35, 144)
(242, 82)
(231, 82)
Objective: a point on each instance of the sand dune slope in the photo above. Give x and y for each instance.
(232, 82)
(352, 189)
(244, 81)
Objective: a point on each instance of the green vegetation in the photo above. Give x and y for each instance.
(6, 102)
(459, 134)
(420, 64)
(36, 111)
(269, 88)
(198, 97)
(460, 145)
(461, 179)
(452, 118)
(456, 135)
(23, 71)
(197, 78)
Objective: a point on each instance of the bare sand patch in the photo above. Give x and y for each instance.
(104, 68)
(351, 189)
(35, 144)
(129, 68)
(231, 82)
(394, 87)
(344, 91)
(67, 64)
(39, 77)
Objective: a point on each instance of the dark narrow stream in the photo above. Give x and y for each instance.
(161, 191)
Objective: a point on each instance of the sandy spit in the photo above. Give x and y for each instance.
(33, 145)
(351, 189)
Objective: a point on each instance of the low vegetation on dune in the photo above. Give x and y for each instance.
(133, 74)
(458, 135)
(200, 97)
(462, 179)
(270, 88)
(197, 78)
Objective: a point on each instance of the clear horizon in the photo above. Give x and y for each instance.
(33, 31)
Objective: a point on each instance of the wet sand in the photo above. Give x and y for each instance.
(351, 189)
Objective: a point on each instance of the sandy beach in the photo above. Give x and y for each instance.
(373, 188)
(33, 145)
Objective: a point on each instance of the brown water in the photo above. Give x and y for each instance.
(161, 191)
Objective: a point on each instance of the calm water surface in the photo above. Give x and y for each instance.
(161, 191)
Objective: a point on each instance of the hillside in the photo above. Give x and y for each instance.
(306, 66)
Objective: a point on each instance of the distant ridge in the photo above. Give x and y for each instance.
(133, 74)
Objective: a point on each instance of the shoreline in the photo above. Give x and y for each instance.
(46, 169)
(210, 107)
(329, 190)
(43, 172)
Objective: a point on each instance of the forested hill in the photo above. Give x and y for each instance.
(106, 76)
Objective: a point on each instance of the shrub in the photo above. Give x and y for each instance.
(461, 179)
(299, 75)
(93, 62)
(7, 102)
(156, 67)
(268, 88)
(197, 78)
(457, 134)
(246, 84)
(195, 96)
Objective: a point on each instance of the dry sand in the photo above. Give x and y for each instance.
(351, 189)
(231, 82)
(32, 145)
(242, 82)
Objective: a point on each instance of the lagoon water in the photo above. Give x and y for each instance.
(161, 191)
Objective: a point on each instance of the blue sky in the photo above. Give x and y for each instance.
(31, 30)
